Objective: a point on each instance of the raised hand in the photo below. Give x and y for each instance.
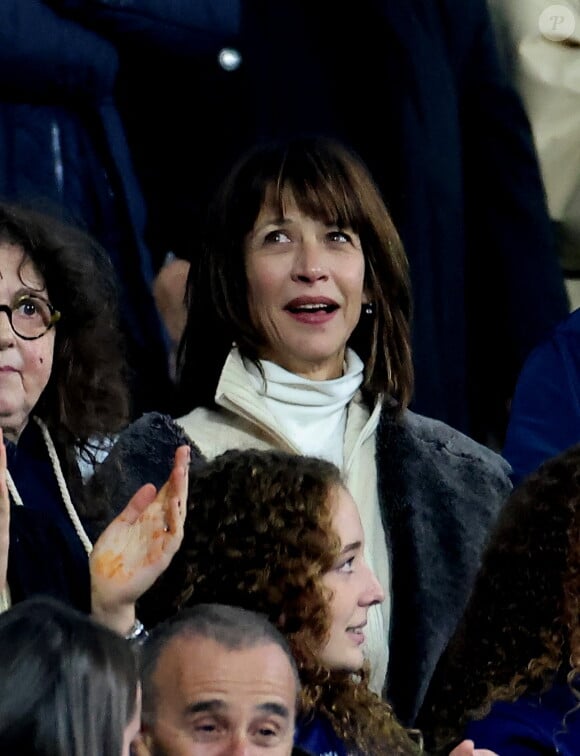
(137, 546)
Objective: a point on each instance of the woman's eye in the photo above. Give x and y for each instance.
(347, 566)
(33, 308)
(339, 236)
(28, 307)
(276, 237)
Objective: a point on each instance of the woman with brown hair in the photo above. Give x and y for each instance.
(511, 675)
(297, 339)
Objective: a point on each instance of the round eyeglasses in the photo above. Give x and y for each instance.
(31, 317)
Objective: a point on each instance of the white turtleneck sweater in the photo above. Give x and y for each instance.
(312, 414)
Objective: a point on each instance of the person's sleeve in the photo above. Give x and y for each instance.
(545, 414)
(511, 730)
(45, 57)
(184, 27)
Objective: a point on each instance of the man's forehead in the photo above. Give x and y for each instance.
(195, 669)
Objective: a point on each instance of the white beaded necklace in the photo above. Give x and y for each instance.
(72, 513)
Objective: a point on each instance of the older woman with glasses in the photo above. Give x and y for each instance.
(62, 397)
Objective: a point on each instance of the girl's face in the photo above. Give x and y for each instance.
(353, 585)
(25, 366)
(305, 289)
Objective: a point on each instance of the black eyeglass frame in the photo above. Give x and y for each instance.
(54, 317)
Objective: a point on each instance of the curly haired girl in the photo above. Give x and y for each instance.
(279, 534)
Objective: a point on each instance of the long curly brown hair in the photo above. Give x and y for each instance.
(522, 625)
(259, 535)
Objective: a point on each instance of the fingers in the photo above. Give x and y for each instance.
(465, 748)
(174, 535)
(178, 482)
(182, 456)
(138, 504)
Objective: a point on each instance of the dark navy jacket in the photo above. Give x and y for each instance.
(531, 726)
(318, 738)
(545, 413)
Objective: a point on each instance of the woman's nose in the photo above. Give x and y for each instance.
(373, 593)
(309, 263)
(6, 333)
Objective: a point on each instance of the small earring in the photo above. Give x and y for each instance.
(369, 308)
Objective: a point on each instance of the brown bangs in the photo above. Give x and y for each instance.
(320, 187)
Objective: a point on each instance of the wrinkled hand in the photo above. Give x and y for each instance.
(4, 517)
(137, 547)
(467, 748)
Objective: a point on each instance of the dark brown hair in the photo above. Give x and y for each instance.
(522, 625)
(259, 535)
(328, 182)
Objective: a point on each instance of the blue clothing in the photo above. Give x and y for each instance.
(545, 413)
(63, 149)
(45, 553)
(531, 725)
(318, 738)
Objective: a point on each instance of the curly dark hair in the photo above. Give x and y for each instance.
(329, 182)
(522, 624)
(259, 535)
(86, 398)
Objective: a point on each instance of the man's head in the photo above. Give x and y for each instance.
(218, 680)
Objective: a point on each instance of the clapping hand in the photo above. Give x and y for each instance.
(137, 547)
